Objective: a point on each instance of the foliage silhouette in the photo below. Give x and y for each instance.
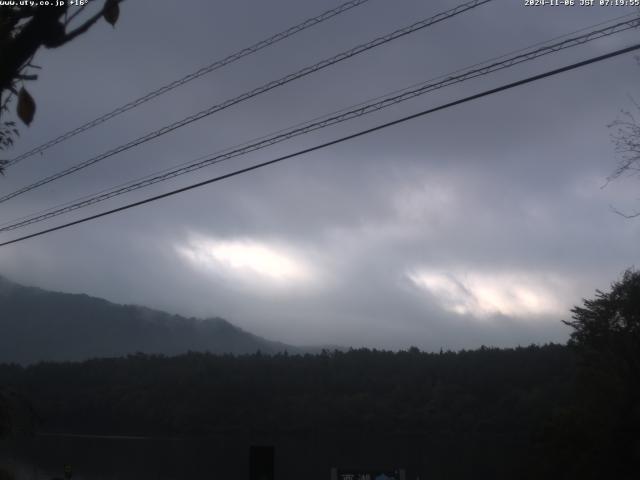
(24, 29)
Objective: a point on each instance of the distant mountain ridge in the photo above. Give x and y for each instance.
(41, 325)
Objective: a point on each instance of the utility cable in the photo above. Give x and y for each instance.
(252, 93)
(360, 110)
(485, 93)
(310, 22)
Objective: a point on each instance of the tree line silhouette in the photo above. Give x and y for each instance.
(560, 411)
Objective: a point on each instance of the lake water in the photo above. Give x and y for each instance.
(308, 456)
(140, 458)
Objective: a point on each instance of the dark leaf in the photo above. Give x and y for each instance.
(26, 106)
(111, 12)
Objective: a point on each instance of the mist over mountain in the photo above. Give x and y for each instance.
(40, 325)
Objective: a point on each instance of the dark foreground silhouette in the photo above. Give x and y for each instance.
(536, 412)
(488, 413)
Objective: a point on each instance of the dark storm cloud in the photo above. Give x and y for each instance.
(481, 203)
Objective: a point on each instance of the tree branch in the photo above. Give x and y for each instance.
(74, 15)
(27, 77)
(625, 215)
(87, 24)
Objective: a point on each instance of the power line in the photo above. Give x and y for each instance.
(344, 115)
(508, 86)
(252, 93)
(310, 22)
(290, 133)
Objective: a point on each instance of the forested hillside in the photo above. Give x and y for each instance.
(483, 391)
(39, 325)
(550, 411)
(479, 407)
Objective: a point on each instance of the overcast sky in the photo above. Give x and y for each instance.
(481, 224)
